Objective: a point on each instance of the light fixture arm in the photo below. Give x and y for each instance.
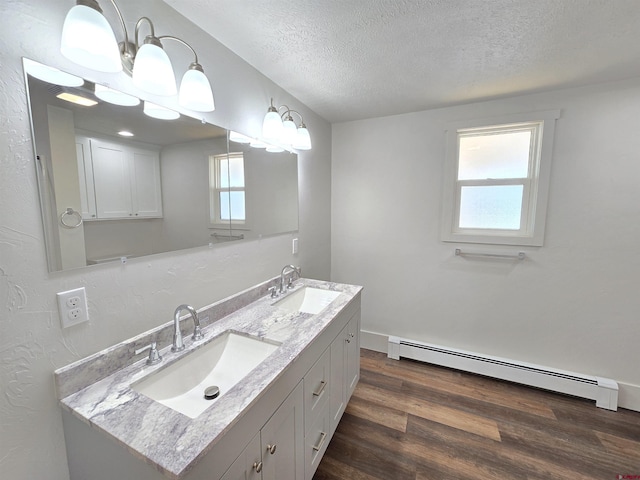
(179, 40)
(290, 111)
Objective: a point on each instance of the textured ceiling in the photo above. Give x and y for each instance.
(354, 59)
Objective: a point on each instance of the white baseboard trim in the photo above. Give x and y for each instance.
(628, 397)
(374, 341)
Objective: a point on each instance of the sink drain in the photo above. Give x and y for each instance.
(211, 392)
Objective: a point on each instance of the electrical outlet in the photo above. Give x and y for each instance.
(72, 306)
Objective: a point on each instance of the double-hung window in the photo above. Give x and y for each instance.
(227, 189)
(497, 180)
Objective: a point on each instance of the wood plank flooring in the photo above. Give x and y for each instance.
(414, 421)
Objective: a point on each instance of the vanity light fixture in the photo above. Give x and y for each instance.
(238, 137)
(281, 128)
(88, 40)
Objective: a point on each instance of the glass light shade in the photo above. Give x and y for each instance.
(115, 97)
(303, 139)
(152, 71)
(51, 75)
(88, 40)
(161, 113)
(195, 92)
(238, 137)
(272, 126)
(289, 132)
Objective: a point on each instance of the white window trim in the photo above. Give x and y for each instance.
(534, 234)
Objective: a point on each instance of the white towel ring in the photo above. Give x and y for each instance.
(70, 212)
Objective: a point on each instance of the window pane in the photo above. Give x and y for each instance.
(491, 207)
(224, 173)
(237, 171)
(237, 205)
(494, 155)
(224, 206)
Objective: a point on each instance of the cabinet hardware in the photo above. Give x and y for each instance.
(318, 392)
(323, 437)
(257, 466)
(271, 448)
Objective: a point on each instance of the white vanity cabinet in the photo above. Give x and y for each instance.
(345, 368)
(276, 451)
(118, 180)
(282, 435)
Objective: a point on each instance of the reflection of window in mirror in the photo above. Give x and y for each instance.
(227, 189)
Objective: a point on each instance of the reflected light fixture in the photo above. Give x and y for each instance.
(238, 137)
(77, 99)
(88, 40)
(281, 129)
(51, 75)
(115, 97)
(159, 112)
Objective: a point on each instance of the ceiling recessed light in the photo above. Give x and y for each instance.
(125, 133)
(77, 99)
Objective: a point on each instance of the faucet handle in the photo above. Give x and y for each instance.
(274, 291)
(154, 356)
(197, 333)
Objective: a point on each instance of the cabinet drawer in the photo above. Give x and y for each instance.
(316, 441)
(316, 389)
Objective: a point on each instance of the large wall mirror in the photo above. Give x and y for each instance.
(166, 185)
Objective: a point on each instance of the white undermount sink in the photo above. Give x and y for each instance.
(223, 362)
(307, 300)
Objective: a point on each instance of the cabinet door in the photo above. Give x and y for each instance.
(248, 466)
(85, 177)
(353, 354)
(146, 193)
(338, 394)
(111, 180)
(282, 440)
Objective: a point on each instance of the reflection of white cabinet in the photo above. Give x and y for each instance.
(276, 453)
(120, 181)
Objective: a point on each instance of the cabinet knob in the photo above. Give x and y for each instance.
(257, 466)
(271, 448)
(348, 340)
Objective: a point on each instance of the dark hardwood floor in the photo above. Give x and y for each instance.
(410, 420)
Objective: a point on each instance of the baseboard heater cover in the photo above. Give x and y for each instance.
(603, 390)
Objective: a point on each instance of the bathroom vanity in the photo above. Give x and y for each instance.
(275, 422)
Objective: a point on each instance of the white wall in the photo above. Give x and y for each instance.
(573, 304)
(123, 300)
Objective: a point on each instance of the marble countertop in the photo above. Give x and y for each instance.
(103, 398)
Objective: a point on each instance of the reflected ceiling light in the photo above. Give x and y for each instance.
(281, 129)
(125, 133)
(159, 112)
(77, 99)
(115, 97)
(51, 75)
(238, 137)
(88, 40)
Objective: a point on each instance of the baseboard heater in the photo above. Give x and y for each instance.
(603, 390)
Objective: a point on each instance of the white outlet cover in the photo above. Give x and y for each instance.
(72, 306)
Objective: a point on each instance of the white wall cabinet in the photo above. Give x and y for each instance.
(120, 181)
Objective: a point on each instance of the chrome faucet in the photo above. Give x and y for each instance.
(177, 335)
(294, 270)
